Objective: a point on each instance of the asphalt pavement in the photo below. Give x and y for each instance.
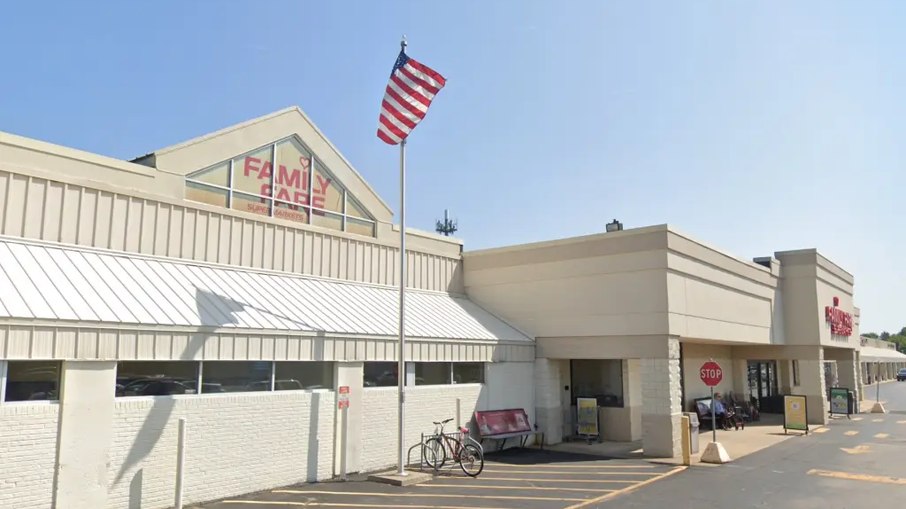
(850, 464)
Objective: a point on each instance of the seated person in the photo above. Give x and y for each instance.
(724, 414)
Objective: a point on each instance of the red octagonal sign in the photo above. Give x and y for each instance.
(711, 373)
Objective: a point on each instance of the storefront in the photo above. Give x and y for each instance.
(241, 281)
(245, 279)
(629, 317)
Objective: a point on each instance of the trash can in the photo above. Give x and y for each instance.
(693, 431)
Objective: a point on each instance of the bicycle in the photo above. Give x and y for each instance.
(463, 449)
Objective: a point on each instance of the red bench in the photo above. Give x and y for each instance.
(501, 425)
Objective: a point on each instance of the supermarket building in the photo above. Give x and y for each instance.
(239, 279)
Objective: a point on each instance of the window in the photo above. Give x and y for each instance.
(282, 180)
(796, 372)
(303, 375)
(32, 381)
(381, 374)
(236, 376)
(468, 372)
(156, 378)
(432, 373)
(599, 379)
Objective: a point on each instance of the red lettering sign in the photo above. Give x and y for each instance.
(290, 184)
(841, 322)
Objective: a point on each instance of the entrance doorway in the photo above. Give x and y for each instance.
(763, 386)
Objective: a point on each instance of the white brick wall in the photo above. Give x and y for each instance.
(237, 443)
(424, 405)
(28, 441)
(509, 385)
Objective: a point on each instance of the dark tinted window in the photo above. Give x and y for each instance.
(381, 374)
(32, 380)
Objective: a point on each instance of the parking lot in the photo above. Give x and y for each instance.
(524, 479)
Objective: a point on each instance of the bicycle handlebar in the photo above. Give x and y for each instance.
(444, 422)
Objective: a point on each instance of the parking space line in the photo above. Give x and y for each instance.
(851, 433)
(882, 435)
(858, 477)
(877, 420)
(820, 430)
(547, 465)
(497, 487)
(609, 481)
(336, 504)
(857, 418)
(901, 422)
(506, 471)
(435, 495)
(626, 489)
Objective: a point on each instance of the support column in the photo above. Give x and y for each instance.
(352, 375)
(741, 378)
(811, 377)
(847, 371)
(548, 407)
(661, 405)
(86, 434)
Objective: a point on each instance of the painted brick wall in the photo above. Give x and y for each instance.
(237, 443)
(28, 439)
(510, 386)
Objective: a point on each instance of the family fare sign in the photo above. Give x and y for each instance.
(841, 322)
(290, 185)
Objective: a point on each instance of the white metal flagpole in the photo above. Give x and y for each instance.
(401, 370)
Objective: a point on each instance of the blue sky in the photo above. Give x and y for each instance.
(755, 127)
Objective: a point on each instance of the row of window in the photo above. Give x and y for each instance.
(282, 180)
(40, 380)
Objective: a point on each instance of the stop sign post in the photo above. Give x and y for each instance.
(711, 375)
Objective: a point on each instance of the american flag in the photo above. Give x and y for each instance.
(410, 91)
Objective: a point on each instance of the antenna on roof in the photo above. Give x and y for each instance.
(448, 226)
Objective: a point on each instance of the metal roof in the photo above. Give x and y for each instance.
(875, 354)
(52, 282)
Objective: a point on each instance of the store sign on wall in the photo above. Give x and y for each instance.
(841, 322)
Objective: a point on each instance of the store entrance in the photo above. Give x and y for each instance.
(763, 386)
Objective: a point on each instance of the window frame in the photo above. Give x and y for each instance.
(4, 379)
(272, 200)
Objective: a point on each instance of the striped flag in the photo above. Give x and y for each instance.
(410, 91)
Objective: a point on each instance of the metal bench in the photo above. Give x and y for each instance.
(502, 425)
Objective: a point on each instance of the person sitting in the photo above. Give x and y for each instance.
(723, 414)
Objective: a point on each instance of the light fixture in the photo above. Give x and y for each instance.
(615, 226)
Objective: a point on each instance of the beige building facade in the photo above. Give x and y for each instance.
(244, 282)
(647, 307)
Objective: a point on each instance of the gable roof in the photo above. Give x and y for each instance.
(210, 149)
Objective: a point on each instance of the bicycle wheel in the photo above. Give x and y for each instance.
(434, 453)
(471, 460)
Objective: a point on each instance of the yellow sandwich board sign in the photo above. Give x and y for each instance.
(795, 413)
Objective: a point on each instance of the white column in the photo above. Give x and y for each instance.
(86, 433)
(811, 378)
(349, 374)
(661, 405)
(847, 371)
(548, 408)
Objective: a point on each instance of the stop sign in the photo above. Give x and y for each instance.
(711, 373)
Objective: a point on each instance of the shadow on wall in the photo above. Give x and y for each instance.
(314, 437)
(214, 311)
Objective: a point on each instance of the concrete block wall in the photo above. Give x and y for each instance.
(28, 439)
(661, 404)
(236, 443)
(424, 405)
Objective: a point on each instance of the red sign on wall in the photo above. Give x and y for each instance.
(841, 322)
(496, 422)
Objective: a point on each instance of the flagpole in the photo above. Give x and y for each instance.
(401, 370)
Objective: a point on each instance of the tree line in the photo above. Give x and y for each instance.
(898, 338)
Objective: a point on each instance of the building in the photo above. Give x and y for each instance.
(880, 360)
(240, 280)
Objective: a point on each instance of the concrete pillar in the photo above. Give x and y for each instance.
(811, 378)
(741, 378)
(86, 433)
(351, 375)
(847, 371)
(785, 378)
(548, 405)
(632, 396)
(661, 403)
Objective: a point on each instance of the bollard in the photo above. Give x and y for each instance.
(180, 461)
(458, 414)
(687, 441)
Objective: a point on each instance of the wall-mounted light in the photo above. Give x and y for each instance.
(614, 226)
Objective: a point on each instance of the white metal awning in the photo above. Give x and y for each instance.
(49, 282)
(875, 354)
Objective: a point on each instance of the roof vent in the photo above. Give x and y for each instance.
(614, 226)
